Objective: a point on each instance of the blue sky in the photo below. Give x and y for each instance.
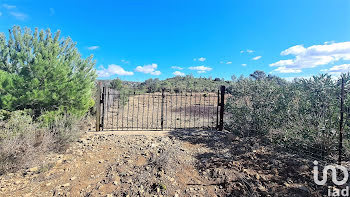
(138, 39)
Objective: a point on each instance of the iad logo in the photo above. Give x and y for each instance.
(334, 168)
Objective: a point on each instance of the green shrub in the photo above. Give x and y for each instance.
(302, 114)
(42, 72)
(4, 115)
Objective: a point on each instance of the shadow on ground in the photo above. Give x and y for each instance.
(249, 166)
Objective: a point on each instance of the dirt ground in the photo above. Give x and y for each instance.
(172, 163)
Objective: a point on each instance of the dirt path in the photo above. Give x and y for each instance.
(173, 163)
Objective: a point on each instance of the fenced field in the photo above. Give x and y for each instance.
(160, 110)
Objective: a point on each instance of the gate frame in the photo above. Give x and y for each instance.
(100, 100)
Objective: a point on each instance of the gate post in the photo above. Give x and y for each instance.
(217, 110)
(341, 128)
(162, 110)
(103, 107)
(98, 107)
(222, 107)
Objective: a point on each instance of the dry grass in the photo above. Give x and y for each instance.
(23, 142)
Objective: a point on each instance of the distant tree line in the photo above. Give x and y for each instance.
(176, 84)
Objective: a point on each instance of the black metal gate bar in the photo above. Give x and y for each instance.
(166, 110)
(102, 108)
(203, 116)
(112, 112)
(185, 110)
(133, 108)
(189, 122)
(194, 111)
(217, 110)
(117, 119)
(162, 111)
(180, 110)
(175, 109)
(143, 111)
(138, 110)
(222, 105)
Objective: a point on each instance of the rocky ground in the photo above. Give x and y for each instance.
(176, 163)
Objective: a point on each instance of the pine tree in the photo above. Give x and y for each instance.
(42, 72)
(116, 84)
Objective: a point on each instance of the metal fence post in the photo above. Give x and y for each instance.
(162, 110)
(98, 106)
(103, 107)
(341, 120)
(222, 107)
(217, 110)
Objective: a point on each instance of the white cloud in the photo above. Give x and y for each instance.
(224, 62)
(338, 69)
(148, 69)
(93, 47)
(201, 59)
(244, 64)
(112, 70)
(200, 69)
(282, 63)
(178, 73)
(157, 72)
(295, 50)
(247, 51)
(9, 7)
(314, 56)
(19, 15)
(256, 58)
(177, 68)
(284, 69)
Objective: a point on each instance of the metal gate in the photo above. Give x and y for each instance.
(159, 111)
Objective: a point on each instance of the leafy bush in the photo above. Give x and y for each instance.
(116, 84)
(4, 115)
(42, 72)
(303, 114)
(254, 105)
